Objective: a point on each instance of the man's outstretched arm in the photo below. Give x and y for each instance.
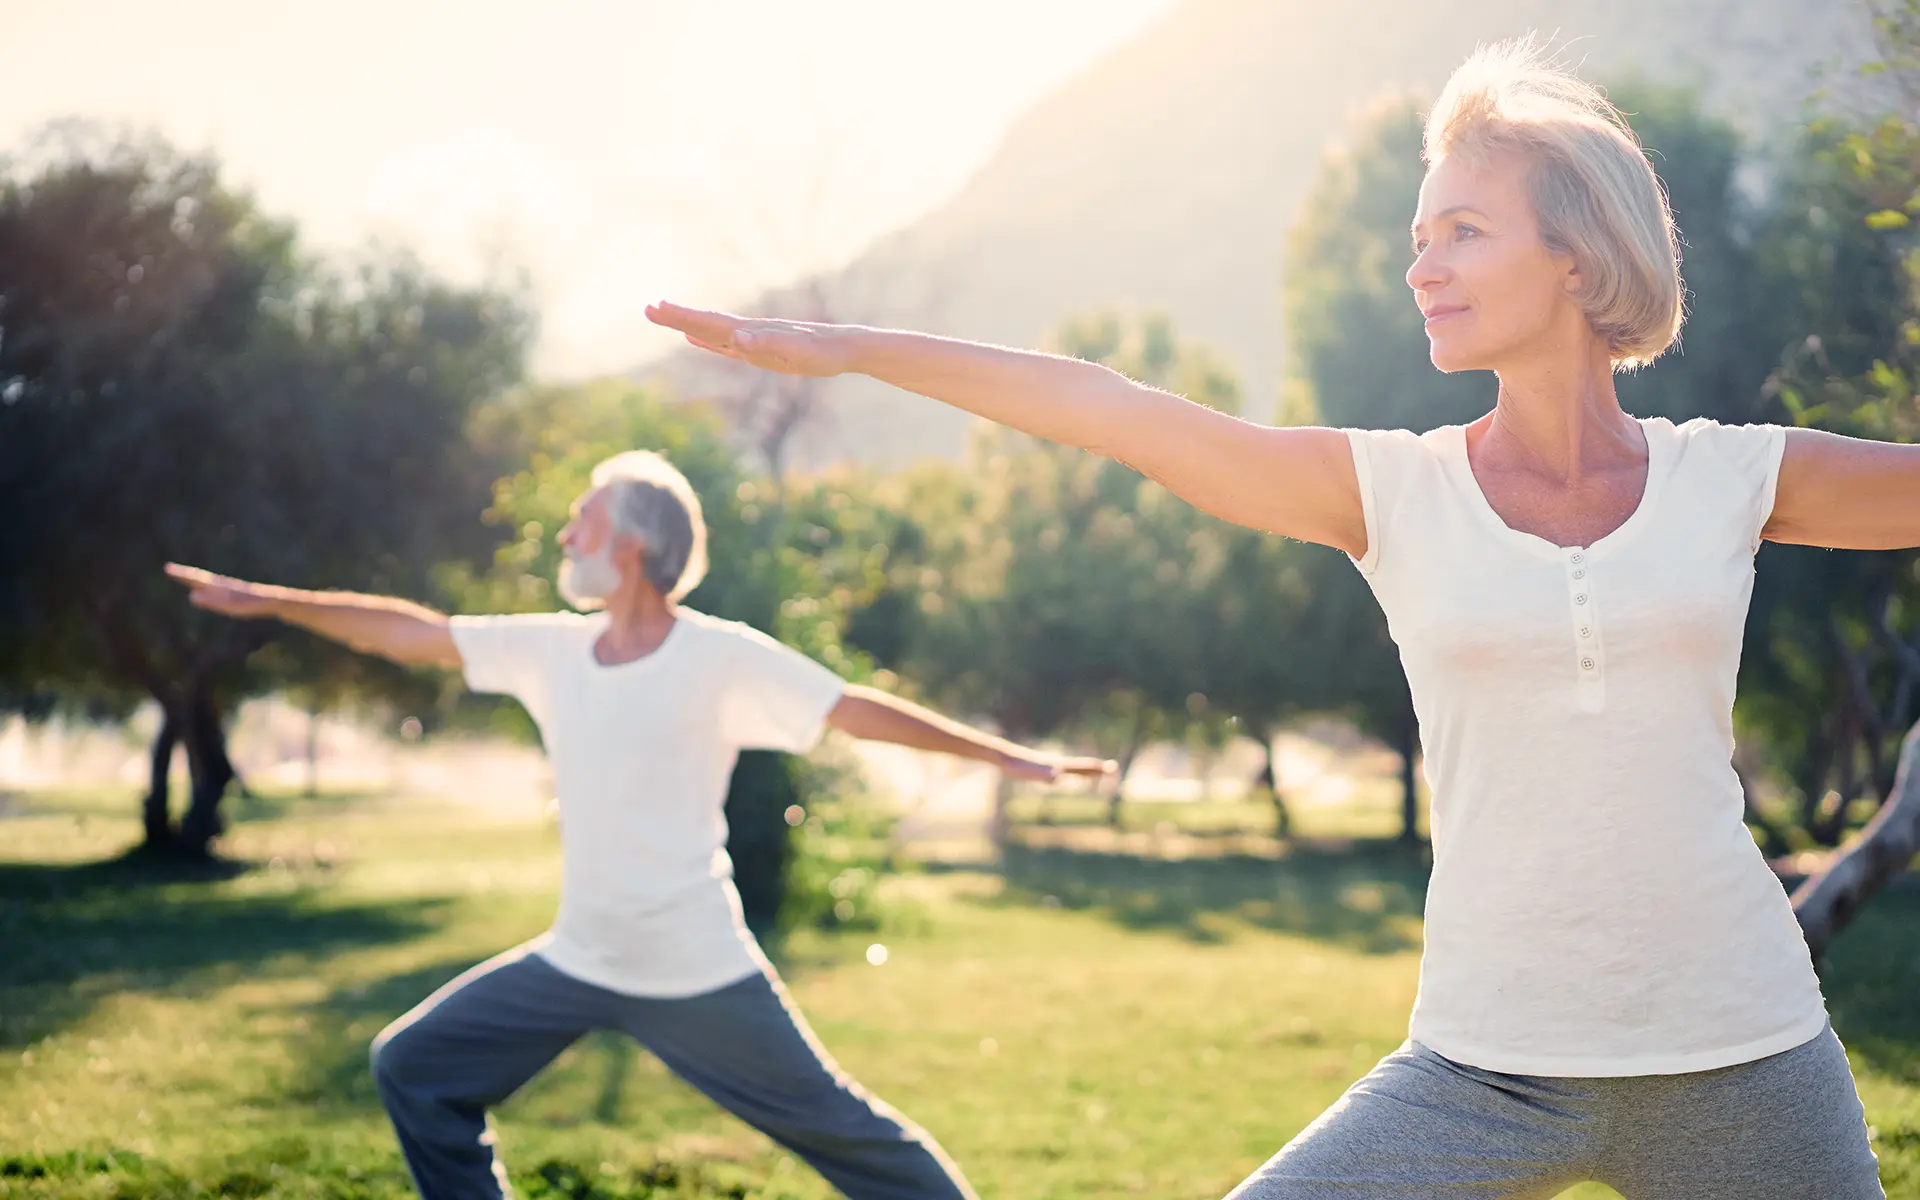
(400, 630)
(877, 716)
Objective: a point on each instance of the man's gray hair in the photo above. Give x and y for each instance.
(650, 499)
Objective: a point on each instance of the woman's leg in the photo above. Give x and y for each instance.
(1786, 1127)
(1420, 1126)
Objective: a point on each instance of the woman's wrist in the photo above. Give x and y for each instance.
(860, 349)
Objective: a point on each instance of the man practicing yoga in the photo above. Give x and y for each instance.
(643, 707)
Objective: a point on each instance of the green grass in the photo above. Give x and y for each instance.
(1373, 812)
(1090, 1025)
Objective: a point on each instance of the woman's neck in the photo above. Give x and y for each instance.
(1561, 418)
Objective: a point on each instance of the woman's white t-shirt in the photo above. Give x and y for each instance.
(642, 753)
(1597, 905)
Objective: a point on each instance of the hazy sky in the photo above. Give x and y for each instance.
(620, 149)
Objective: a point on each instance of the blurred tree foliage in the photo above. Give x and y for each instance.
(177, 381)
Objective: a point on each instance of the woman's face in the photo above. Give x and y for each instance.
(1492, 293)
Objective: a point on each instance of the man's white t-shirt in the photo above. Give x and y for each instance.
(642, 753)
(1597, 906)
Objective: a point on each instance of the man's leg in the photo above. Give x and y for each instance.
(468, 1046)
(1420, 1126)
(748, 1048)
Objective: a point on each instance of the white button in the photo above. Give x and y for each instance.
(1576, 556)
(1580, 599)
(1586, 664)
(1579, 574)
(1586, 631)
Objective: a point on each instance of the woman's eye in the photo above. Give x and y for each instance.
(1462, 232)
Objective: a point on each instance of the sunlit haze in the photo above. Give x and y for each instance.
(618, 151)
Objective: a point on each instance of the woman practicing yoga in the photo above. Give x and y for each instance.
(1614, 986)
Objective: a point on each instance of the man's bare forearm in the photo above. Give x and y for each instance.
(387, 626)
(881, 717)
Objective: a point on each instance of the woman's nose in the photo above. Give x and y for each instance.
(1426, 274)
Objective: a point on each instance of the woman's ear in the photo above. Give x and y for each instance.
(1570, 278)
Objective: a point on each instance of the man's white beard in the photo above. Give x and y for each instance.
(587, 580)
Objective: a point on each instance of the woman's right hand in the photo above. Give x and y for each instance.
(789, 347)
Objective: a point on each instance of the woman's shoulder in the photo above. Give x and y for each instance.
(1384, 456)
(1745, 449)
(1433, 443)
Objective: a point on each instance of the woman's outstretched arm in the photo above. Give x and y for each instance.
(1298, 482)
(1846, 493)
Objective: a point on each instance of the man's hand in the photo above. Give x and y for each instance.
(1048, 768)
(406, 633)
(224, 594)
(878, 716)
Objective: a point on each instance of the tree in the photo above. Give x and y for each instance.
(176, 381)
(1065, 595)
(1859, 257)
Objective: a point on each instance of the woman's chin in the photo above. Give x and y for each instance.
(1449, 359)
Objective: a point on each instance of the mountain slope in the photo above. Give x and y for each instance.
(1165, 178)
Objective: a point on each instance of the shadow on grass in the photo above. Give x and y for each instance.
(78, 933)
(289, 1167)
(1367, 898)
(341, 1029)
(277, 804)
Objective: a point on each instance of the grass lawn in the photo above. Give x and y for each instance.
(1089, 1026)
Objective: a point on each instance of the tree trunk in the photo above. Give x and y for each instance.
(1409, 781)
(313, 752)
(154, 809)
(212, 771)
(1826, 902)
(1282, 817)
(1118, 796)
(1000, 827)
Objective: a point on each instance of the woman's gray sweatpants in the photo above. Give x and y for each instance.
(1786, 1127)
(475, 1041)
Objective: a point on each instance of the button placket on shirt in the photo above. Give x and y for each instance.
(1588, 652)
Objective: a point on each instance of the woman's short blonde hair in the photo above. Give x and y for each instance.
(1594, 192)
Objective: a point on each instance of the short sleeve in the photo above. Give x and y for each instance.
(1389, 466)
(1361, 442)
(777, 698)
(1772, 452)
(1751, 455)
(504, 654)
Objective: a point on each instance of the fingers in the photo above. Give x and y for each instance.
(1049, 770)
(189, 575)
(714, 328)
(722, 351)
(1090, 766)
